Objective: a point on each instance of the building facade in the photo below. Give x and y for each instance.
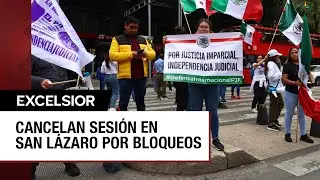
(97, 21)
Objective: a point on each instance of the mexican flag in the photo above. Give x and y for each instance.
(240, 9)
(305, 52)
(251, 36)
(310, 106)
(291, 23)
(190, 6)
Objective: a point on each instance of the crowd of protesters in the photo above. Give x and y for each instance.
(125, 71)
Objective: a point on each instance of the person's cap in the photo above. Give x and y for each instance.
(273, 53)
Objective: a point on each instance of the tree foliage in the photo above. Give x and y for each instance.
(271, 12)
(312, 11)
(273, 9)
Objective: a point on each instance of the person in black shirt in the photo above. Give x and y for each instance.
(181, 87)
(291, 80)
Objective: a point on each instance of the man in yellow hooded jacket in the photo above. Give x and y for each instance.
(132, 54)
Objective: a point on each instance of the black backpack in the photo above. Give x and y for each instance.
(315, 129)
(262, 116)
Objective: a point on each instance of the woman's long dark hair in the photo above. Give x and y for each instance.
(206, 21)
(289, 59)
(256, 61)
(107, 59)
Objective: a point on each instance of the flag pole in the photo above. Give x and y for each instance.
(297, 126)
(64, 82)
(305, 6)
(179, 14)
(185, 16)
(275, 31)
(78, 81)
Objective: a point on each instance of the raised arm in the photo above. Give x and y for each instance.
(255, 65)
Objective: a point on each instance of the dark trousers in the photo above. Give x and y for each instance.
(260, 95)
(181, 95)
(238, 89)
(139, 88)
(161, 85)
(209, 93)
(276, 106)
(102, 85)
(223, 89)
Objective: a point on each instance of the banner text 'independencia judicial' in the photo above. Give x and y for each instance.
(54, 48)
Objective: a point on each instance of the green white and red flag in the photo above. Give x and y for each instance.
(250, 35)
(240, 9)
(310, 106)
(190, 6)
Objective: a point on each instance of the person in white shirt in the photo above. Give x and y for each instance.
(109, 68)
(258, 84)
(274, 75)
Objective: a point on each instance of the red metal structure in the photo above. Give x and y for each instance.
(280, 42)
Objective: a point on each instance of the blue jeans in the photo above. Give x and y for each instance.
(112, 81)
(291, 101)
(210, 93)
(238, 89)
(223, 89)
(102, 83)
(139, 88)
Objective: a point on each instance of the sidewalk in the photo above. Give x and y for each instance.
(262, 143)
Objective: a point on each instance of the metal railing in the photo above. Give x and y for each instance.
(137, 7)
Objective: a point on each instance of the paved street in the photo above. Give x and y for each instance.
(238, 110)
(298, 164)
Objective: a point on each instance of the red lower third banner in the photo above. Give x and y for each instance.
(15, 65)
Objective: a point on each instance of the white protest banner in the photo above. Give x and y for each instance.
(105, 136)
(204, 58)
(54, 39)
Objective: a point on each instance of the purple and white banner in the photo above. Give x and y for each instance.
(54, 39)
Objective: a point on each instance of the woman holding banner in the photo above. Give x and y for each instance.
(210, 93)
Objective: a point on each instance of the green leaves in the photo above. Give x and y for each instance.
(311, 8)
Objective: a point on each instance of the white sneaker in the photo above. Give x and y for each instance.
(112, 109)
(254, 110)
